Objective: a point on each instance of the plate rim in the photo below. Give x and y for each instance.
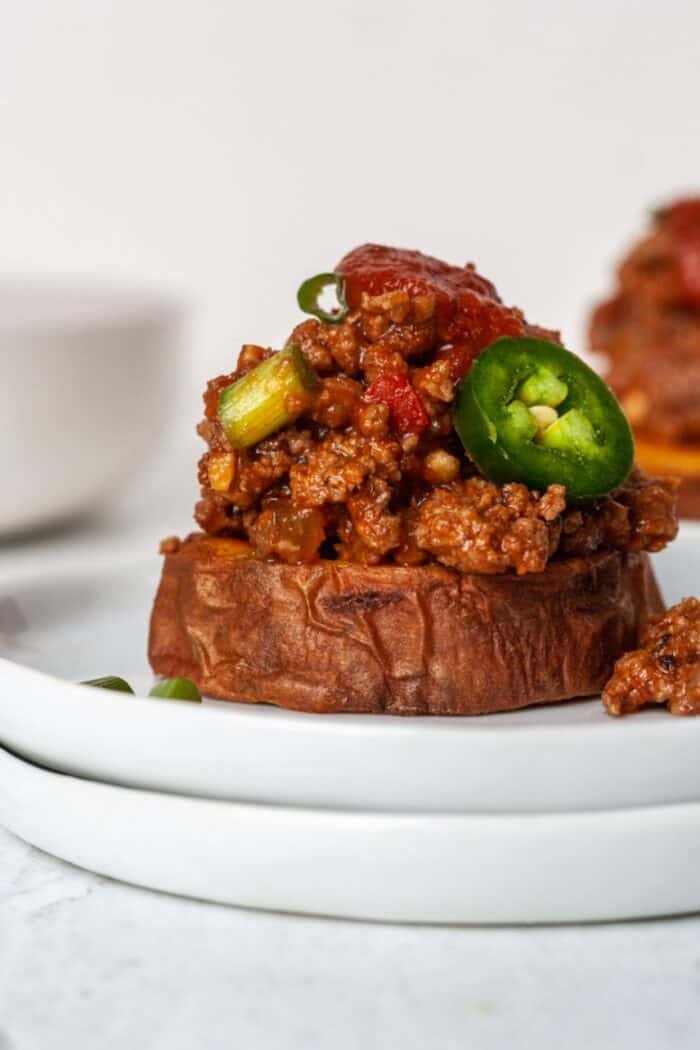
(70, 566)
(586, 878)
(510, 762)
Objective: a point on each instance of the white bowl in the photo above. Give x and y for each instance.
(86, 379)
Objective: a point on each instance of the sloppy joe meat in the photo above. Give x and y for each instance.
(650, 328)
(666, 670)
(372, 471)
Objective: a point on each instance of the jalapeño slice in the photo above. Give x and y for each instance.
(531, 411)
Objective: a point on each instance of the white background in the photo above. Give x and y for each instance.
(226, 150)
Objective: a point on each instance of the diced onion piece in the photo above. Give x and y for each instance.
(221, 469)
(441, 467)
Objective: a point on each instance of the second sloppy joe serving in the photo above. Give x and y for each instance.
(421, 504)
(649, 330)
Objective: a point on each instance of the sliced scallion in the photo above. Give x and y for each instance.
(267, 399)
(310, 292)
(118, 685)
(176, 689)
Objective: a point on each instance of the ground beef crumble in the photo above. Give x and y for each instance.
(476, 526)
(639, 516)
(347, 481)
(666, 670)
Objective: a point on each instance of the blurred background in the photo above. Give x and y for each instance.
(219, 152)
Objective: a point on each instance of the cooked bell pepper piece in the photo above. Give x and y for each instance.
(504, 419)
(268, 398)
(407, 411)
(310, 292)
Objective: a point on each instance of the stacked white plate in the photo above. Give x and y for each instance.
(552, 814)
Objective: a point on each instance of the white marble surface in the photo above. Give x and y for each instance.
(89, 963)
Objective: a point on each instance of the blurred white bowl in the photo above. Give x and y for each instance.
(86, 380)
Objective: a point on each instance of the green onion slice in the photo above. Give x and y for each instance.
(176, 689)
(310, 292)
(267, 399)
(118, 685)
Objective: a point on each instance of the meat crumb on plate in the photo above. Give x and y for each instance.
(666, 670)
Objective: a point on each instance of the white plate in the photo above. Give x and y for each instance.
(83, 621)
(409, 868)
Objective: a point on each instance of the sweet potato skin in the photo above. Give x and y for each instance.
(338, 637)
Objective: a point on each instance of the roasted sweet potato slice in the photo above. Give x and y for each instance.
(333, 636)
